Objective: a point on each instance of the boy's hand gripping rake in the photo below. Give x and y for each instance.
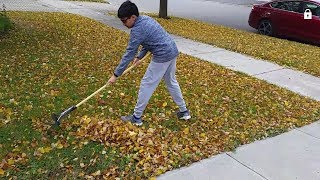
(57, 117)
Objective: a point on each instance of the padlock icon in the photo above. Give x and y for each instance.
(307, 14)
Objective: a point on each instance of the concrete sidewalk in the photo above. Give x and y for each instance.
(292, 155)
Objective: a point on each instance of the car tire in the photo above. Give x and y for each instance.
(265, 27)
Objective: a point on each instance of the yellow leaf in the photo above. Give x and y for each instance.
(47, 149)
(16, 150)
(293, 120)
(1, 172)
(286, 103)
(242, 136)
(59, 146)
(164, 104)
(150, 130)
(27, 107)
(41, 150)
(87, 120)
(141, 150)
(54, 92)
(97, 173)
(164, 153)
(186, 131)
(10, 161)
(150, 142)
(132, 133)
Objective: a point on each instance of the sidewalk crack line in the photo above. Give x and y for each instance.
(308, 134)
(214, 51)
(247, 166)
(268, 72)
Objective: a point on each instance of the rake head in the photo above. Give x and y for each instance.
(57, 117)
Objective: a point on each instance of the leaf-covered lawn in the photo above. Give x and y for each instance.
(51, 61)
(291, 54)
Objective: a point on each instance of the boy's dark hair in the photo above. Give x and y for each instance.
(127, 9)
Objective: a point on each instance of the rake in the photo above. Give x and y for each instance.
(57, 117)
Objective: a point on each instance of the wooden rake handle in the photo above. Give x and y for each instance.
(124, 72)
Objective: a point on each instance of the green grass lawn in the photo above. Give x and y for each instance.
(302, 57)
(50, 61)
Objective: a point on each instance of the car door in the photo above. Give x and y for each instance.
(311, 27)
(287, 18)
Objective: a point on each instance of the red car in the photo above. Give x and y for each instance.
(288, 18)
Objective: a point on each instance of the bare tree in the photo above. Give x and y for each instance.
(163, 9)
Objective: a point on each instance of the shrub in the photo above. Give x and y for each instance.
(5, 23)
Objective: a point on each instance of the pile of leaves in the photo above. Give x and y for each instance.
(303, 57)
(151, 151)
(51, 61)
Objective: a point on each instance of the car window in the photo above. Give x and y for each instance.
(278, 5)
(294, 6)
(315, 9)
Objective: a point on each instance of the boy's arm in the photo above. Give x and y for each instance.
(136, 39)
(142, 53)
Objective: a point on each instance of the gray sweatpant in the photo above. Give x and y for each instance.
(151, 79)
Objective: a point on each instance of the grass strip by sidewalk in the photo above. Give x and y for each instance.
(302, 57)
(52, 60)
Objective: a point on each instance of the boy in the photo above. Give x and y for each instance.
(147, 32)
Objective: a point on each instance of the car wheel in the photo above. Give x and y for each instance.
(265, 27)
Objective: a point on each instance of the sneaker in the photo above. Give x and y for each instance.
(132, 119)
(184, 115)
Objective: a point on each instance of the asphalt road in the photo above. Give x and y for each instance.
(231, 13)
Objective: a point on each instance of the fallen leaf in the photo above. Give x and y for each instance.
(164, 104)
(2, 172)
